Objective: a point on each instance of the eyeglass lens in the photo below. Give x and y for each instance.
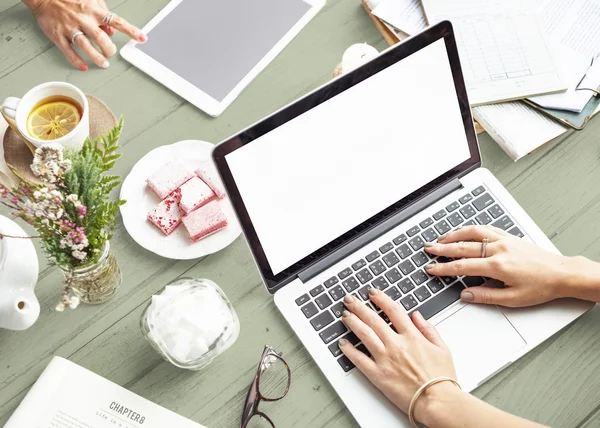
(274, 378)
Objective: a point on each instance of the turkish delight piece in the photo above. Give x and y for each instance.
(205, 221)
(168, 178)
(166, 215)
(194, 194)
(208, 173)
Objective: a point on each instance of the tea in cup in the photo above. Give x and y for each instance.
(53, 112)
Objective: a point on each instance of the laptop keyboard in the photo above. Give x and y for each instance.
(397, 268)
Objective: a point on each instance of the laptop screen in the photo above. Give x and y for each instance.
(323, 173)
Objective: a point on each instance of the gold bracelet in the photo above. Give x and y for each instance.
(421, 390)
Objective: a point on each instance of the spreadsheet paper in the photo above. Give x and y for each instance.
(503, 52)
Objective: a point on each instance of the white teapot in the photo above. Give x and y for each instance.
(19, 308)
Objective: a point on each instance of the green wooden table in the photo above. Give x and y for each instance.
(557, 384)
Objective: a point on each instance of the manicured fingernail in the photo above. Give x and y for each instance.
(429, 244)
(459, 227)
(342, 342)
(442, 237)
(83, 67)
(430, 265)
(348, 298)
(373, 291)
(105, 64)
(467, 296)
(142, 38)
(345, 314)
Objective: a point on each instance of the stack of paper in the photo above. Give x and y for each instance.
(503, 52)
(573, 35)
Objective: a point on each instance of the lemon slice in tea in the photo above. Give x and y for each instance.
(52, 120)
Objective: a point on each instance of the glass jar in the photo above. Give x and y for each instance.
(190, 322)
(96, 283)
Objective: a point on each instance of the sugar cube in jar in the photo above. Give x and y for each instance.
(190, 322)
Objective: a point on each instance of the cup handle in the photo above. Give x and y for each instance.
(8, 111)
(9, 107)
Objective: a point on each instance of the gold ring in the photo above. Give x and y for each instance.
(484, 243)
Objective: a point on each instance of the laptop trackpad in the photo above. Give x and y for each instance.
(481, 340)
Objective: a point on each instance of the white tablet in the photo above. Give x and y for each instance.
(208, 51)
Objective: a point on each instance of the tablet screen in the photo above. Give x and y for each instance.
(214, 44)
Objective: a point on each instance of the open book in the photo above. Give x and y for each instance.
(69, 396)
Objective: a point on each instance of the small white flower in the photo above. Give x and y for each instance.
(74, 302)
(39, 214)
(72, 198)
(59, 213)
(65, 165)
(44, 190)
(52, 216)
(79, 255)
(37, 194)
(46, 221)
(63, 243)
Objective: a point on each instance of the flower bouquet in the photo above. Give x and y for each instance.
(71, 210)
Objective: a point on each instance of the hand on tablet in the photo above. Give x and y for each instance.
(81, 22)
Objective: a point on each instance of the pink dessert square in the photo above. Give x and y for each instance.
(168, 178)
(208, 173)
(194, 194)
(166, 215)
(205, 221)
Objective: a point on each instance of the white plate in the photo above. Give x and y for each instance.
(140, 201)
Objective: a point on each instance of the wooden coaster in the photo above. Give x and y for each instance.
(19, 155)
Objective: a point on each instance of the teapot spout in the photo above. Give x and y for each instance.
(19, 308)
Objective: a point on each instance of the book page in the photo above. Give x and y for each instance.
(503, 53)
(69, 396)
(573, 28)
(406, 13)
(573, 23)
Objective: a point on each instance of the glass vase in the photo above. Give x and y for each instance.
(97, 283)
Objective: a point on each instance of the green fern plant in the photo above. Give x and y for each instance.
(87, 178)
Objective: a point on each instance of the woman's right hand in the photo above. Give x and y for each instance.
(531, 274)
(61, 19)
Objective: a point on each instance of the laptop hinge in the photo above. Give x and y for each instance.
(378, 230)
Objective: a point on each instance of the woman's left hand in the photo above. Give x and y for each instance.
(401, 362)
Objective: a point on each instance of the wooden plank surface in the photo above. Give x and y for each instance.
(556, 384)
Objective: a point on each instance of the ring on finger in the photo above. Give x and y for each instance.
(484, 243)
(75, 35)
(108, 19)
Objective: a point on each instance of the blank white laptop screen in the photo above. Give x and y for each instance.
(328, 170)
(214, 44)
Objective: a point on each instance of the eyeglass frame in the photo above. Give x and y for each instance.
(579, 88)
(254, 396)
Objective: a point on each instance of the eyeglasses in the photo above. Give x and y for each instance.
(579, 88)
(271, 383)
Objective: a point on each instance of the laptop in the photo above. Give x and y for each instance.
(339, 191)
